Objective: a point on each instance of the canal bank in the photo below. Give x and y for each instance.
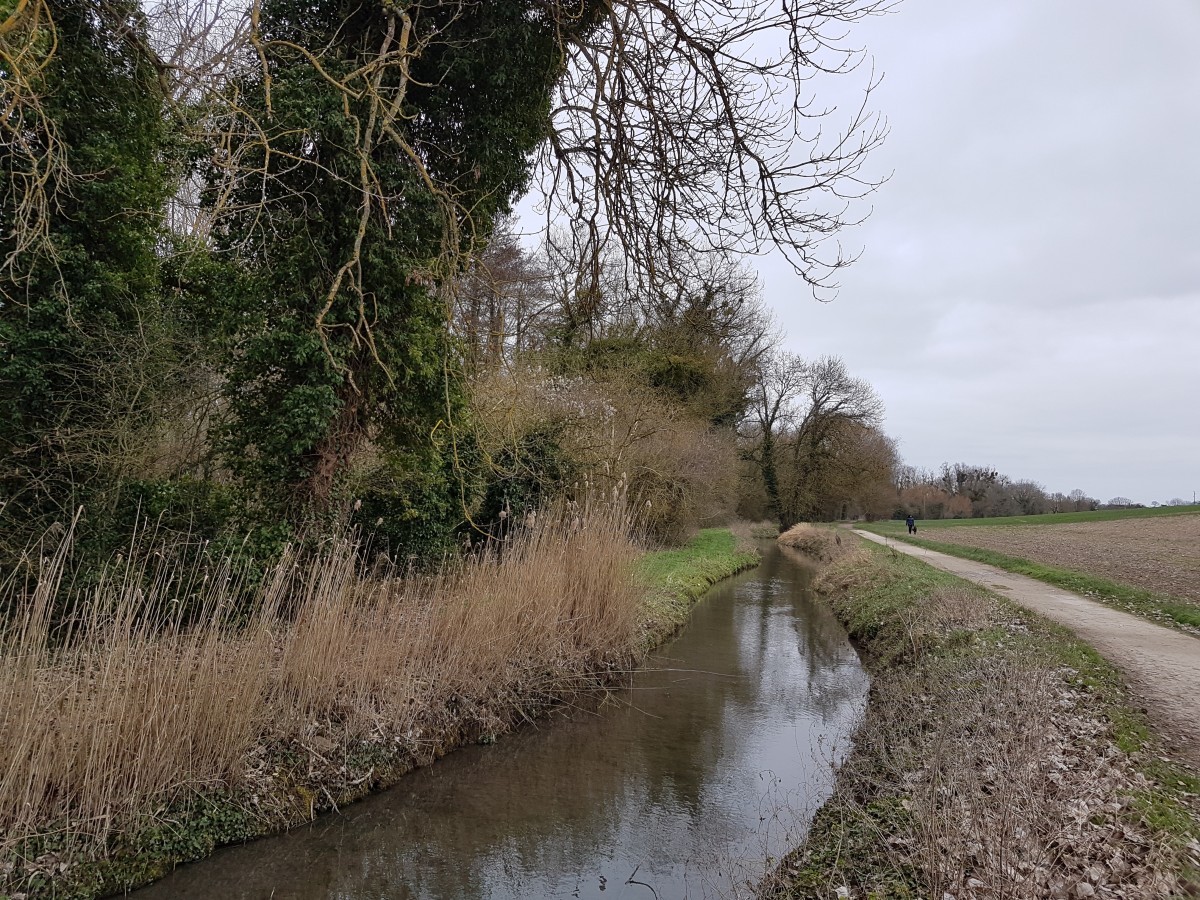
(1000, 757)
(286, 782)
(706, 764)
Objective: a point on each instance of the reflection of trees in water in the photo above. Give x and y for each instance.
(836, 679)
(571, 795)
(832, 679)
(541, 803)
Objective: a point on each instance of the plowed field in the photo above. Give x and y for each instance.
(1158, 554)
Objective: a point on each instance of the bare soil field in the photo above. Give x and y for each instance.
(1160, 555)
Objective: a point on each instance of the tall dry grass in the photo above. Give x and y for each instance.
(130, 706)
(822, 543)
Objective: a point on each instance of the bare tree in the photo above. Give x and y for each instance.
(1030, 497)
(858, 475)
(806, 418)
(782, 380)
(1081, 501)
(680, 126)
(833, 401)
(504, 302)
(687, 126)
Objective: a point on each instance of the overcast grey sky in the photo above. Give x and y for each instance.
(1029, 292)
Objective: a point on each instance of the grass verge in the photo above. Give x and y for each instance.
(999, 757)
(675, 579)
(1150, 605)
(136, 740)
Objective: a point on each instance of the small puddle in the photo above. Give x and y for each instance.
(684, 785)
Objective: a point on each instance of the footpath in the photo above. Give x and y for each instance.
(1162, 666)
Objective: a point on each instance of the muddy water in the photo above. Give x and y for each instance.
(713, 761)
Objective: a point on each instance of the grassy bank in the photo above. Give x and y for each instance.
(999, 758)
(674, 579)
(1139, 601)
(135, 740)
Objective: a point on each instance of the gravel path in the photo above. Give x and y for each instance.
(1162, 666)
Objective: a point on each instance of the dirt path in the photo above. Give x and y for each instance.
(1161, 665)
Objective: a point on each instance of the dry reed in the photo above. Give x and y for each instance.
(131, 706)
(824, 544)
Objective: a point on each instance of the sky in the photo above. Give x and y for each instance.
(1028, 295)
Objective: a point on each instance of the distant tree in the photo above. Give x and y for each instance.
(1030, 497)
(504, 303)
(1081, 502)
(924, 500)
(829, 411)
(858, 475)
(957, 507)
(782, 380)
(997, 500)
(906, 476)
(975, 483)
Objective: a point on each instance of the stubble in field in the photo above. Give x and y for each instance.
(1157, 554)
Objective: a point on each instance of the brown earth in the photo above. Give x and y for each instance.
(1158, 554)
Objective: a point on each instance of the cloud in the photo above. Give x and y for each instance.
(1029, 292)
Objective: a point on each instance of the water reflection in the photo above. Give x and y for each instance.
(685, 783)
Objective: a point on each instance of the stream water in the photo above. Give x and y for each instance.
(684, 785)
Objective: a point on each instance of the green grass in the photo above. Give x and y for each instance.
(876, 611)
(675, 578)
(896, 526)
(1157, 607)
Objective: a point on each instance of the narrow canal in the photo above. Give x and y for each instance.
(684, 785)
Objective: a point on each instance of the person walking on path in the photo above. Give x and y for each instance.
(912, 525)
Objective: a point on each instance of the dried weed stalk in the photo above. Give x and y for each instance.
(130, 705)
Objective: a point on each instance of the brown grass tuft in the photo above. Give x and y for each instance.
(823, 544)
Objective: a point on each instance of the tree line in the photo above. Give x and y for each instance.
(252, 258)
(714, 418)
(963, 491)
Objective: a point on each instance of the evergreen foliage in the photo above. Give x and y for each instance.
(70, 319)
(367, 149)
(342, 333)
(292, 367)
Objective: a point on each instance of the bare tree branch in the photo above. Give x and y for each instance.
(689, 126)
